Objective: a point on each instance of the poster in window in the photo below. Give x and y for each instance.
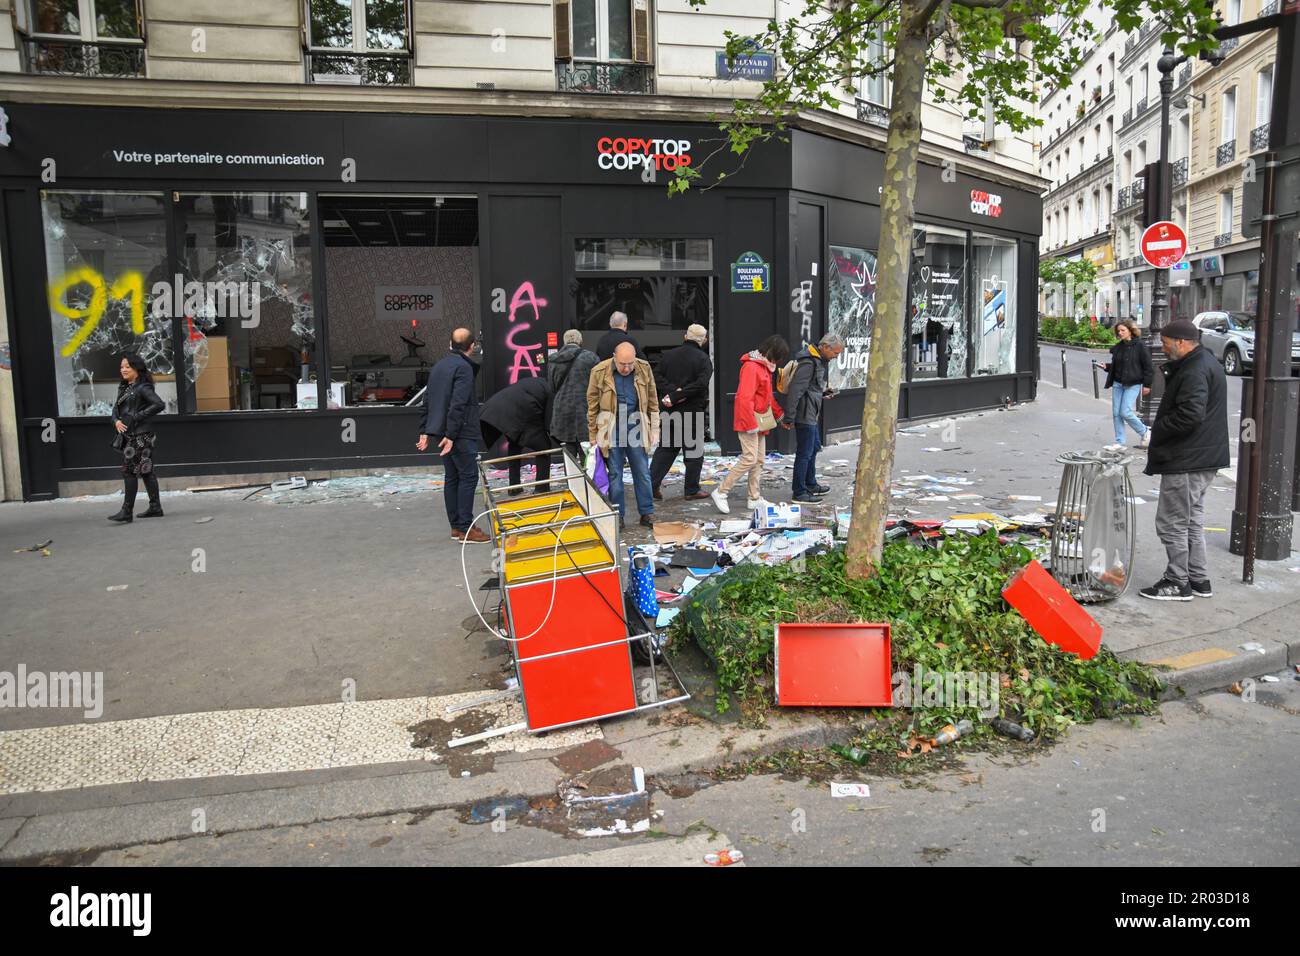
(851, 312)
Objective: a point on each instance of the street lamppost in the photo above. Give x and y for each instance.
(1159, 179)
(1161, 210)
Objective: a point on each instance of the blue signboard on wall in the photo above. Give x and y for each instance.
(750, 273)
(745, 66)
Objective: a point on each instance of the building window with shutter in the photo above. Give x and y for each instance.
(82, 37)
(874, 90)
(603, 46)
(359, 42)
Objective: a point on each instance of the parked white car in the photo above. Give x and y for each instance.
(1230, 336)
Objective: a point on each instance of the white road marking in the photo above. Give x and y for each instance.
(237, 742)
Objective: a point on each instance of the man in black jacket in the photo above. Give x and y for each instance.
(616, 335)
(520, 413)
(451, 420)
(1189, 444)
(682, 380)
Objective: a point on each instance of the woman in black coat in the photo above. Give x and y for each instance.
(1129, 373)
(136, 404)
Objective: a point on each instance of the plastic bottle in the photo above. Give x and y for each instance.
(1009, 728)
(951, 733)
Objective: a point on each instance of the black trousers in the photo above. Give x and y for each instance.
(535, 440)
(666, 454)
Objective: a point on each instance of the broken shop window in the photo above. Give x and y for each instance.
(995, 305)
(851, 312)
(103, 254)
(939, 333)
(251, 341)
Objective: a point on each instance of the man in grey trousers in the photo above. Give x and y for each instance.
(1189, 444)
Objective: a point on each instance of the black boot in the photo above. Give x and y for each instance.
(130, 485)
(155, 506)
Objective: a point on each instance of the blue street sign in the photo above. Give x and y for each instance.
(745, 66)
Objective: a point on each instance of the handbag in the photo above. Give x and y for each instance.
(765, 419)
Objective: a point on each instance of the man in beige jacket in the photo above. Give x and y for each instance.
(623, 422)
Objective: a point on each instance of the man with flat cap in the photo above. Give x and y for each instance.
(1189, 444)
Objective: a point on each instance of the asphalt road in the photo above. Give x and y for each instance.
(1211, 780)
(1078, 373)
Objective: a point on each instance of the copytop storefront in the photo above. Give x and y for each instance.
(290, 277)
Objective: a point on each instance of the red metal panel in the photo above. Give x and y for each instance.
(580, 686)
(586, 611)
(1052, 611)
(833, 665)
(583, 685)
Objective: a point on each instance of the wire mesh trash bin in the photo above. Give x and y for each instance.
(1096, 526)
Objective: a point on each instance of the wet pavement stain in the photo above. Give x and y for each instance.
(436, 734)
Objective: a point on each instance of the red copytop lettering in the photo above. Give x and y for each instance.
(604, 145)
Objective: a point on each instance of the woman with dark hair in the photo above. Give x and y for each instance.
(756, 413)
(1129, 372)
(136, 404)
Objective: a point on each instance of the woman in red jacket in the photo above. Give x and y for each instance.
(756, 414)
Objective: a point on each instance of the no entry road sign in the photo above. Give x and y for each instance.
(1163, 244)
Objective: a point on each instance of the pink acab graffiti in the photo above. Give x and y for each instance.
(525, 295)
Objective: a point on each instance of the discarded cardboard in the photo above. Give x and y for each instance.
(675, 533)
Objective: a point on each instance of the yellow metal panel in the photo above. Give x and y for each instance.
(548, 563)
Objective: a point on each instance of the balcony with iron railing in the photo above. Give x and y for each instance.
(591, 76)
(1179, 169)
(1268, 9)
(978, 146)
(1228, 45)
(1222, 239)
(1185, 75)
(1139, 188)
(1127, 117)
(78, 58)
(1259, 138)
(1123, 198)
(1225, 153)
(872, 113)
(346, 68)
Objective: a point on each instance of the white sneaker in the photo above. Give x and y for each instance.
(753, 503)
(1115, 447)
(1145, 441)
(720, 501)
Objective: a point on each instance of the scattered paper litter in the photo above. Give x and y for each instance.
(850, 790)
(117, 587)
(1269, 679)
(666, 616)
(1252, 646)
(1024, 497)
(1138, 501)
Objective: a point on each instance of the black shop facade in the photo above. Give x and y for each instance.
(290, 277)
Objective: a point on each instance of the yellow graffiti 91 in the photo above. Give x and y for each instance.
(128, 284)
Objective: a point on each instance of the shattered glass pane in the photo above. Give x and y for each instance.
(249, 320)
(995, 305)
(851, 295)
(938, 333)
(104, 253)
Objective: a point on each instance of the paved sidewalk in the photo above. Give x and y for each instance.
(361, 591)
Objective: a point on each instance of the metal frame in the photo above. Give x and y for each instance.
(580, 485)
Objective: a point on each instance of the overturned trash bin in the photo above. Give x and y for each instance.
(1096, 526)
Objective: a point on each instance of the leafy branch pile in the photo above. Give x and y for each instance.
(947, 614)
